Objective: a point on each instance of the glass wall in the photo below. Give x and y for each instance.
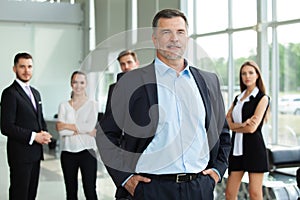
(288, 84)
(263, 31)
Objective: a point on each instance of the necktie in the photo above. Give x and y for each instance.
(30, 95)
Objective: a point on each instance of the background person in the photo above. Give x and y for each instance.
(175, 139)
(128, 61)
(76, 124)
(245, 118)
(23, 123)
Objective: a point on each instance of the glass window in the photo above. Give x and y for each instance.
(211, 16)
(216, 49)
(244, 46)
(288, 9)
(289, 85)
(243, 13)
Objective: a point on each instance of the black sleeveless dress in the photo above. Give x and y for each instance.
(254, 158)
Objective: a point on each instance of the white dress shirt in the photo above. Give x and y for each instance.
(24, 85)
(180, 143)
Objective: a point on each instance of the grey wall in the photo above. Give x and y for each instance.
(57, 35)
(53, 34)
(113, 16)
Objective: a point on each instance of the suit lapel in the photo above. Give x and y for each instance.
(24, 95)
(149, 81)
(204, 94)
(36, 99)
(38, 111)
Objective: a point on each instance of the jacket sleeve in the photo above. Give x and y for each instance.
(218, 133)
(108, 137)
(10, 125)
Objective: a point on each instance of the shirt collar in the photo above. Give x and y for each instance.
(253, 93)
(21, 83)
(163, 68)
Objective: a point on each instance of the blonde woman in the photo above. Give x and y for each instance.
(245, 118)
(76, 124)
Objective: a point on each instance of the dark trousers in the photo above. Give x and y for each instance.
(87, 163)
(24, 178)
(201, 189)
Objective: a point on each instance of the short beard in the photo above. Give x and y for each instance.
(169, 56)
(24, 81)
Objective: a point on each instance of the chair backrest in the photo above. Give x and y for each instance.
(281, 157)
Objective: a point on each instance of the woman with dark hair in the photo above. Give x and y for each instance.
(77, 119)
(245, 118)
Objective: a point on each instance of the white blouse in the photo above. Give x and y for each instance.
(85, 119)
(237, 118)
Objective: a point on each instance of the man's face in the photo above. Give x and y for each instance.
(128, 63)
(170, 38)
(23, 69)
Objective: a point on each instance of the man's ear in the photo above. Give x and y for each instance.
(14, 68)
(154, 39)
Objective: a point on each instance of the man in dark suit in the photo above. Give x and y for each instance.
(298, 179)
(23, 123)
(170, 116)
(128, 61)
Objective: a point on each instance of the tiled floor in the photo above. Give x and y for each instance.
(51, 185)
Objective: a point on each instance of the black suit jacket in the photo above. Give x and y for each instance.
(18, 120)
(134, 117)
(110, 91)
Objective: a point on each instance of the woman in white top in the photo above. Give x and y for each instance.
(77, 119)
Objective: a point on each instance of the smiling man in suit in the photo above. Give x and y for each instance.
(170, 117)
(23, 123)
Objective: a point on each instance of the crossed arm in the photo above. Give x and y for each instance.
(72, 127)
(251, 124)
